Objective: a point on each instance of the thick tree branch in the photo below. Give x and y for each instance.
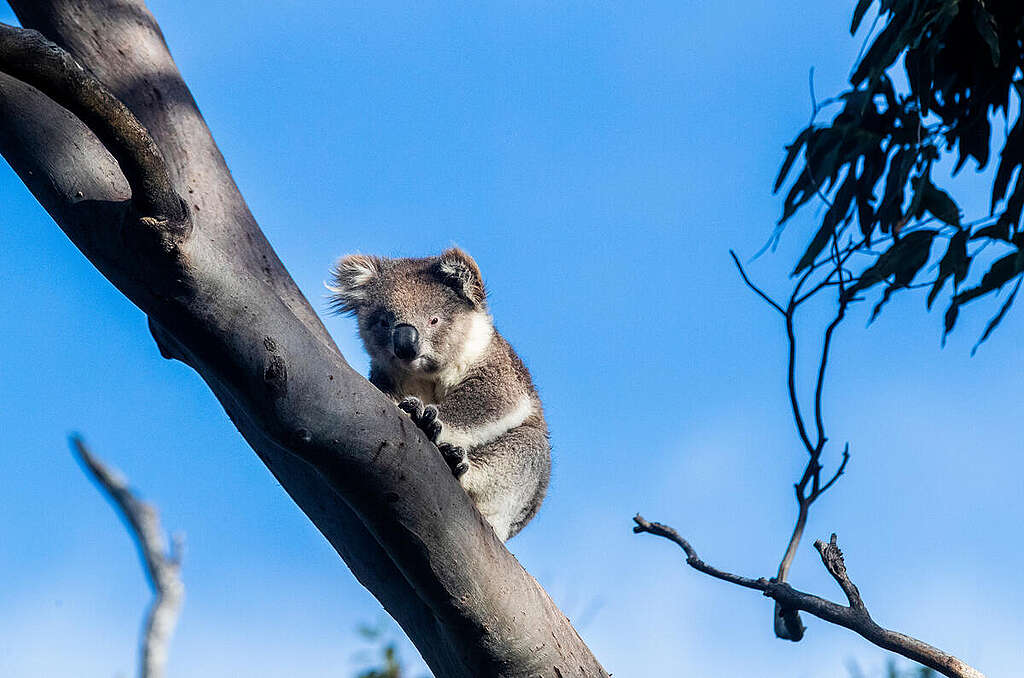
(854, 617)
(161, 564)
(222, 302)
(26, 55)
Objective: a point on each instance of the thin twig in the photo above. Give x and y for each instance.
(809, 487)
(837, 255)
(814, 114)
(787, 623)
(794, 401)
(743, 274)
(819, 385)
(839, 471)
(161, 564)
(854, 617)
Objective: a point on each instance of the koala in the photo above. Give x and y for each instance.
(435, 352)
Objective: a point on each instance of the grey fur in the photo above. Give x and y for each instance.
(466, 387)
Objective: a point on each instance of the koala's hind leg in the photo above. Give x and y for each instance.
(508, 477)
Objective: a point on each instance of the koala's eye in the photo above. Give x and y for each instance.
(383, 322)
(434, 320)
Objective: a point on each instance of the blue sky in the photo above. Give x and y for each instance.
(598, 159)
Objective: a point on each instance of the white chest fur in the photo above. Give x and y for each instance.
(485, 432)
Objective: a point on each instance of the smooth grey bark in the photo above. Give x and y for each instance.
(220, 300)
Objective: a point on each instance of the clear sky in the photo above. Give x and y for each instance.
(598, 159)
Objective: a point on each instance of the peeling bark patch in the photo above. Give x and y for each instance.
(270, 344)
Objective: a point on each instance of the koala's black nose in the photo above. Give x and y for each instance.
(406, 341)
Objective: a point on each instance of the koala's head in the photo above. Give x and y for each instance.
(416, 316)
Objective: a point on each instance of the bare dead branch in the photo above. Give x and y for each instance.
(161, 564)
(854, 617)
(819, 386)
(794, 400)
(28, 56)
(809, 487)
(839, 471)
(692, 559)
(832, 558)
(786, 622)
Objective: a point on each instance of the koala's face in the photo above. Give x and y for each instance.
(416, 316)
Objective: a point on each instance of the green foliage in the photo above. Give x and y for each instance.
(389, 664)
(390, 668)
(872, 163)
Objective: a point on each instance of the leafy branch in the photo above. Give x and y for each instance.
(827, 274)
(873, 162)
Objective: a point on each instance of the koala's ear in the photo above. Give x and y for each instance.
(460, 272)
(349, 279)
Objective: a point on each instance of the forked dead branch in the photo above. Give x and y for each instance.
(854, 616)
(833, 277)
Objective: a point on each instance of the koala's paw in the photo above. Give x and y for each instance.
(424, 416)
(455, 457)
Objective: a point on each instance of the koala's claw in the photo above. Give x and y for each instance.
(424, 416)
(412, 405)
(456, 458)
